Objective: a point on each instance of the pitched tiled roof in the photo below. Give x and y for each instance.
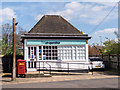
(54, 24)
(54, 27)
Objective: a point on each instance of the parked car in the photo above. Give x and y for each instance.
(96, 63)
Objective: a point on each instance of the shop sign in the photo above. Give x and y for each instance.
(52, 42)
(56, 42)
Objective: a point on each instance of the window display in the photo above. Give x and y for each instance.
(58, 52)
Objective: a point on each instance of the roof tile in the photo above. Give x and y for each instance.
(54, 24)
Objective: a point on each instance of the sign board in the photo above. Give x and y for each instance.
(21, 63)
(56, 42)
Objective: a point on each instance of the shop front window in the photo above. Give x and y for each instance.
(57, 52)
(32, 52)
(81, 52)
(40, 52)
(65, 52)
(50, 53)
(71, 52)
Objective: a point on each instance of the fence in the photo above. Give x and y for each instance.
(1, 63)
(111, 61)
(58, 66)
(7, 63)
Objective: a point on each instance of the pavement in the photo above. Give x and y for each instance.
(87, 83)
(58, 77)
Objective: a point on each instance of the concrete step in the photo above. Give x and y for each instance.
(37, 74)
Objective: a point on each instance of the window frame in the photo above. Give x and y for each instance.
(80, 52)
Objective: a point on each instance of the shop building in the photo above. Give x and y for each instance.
(57, 42)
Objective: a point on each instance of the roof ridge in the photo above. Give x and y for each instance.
(53, 15)
(59, 33)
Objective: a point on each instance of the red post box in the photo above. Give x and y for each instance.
(21, 67)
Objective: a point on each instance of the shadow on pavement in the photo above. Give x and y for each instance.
(7, 76)
(106, 72)
(64, 74)
(6, 80)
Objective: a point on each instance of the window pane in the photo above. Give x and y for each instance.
(40, 53)
(28, 52)
(50, 52)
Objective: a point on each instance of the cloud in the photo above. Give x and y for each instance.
(107, 4)
(98, 8)
(74, 5)
(59, 1)
(90, 13)
(101, 35)
(6, 14)
(84, 15)
(38, 17)
(65, 13)
(69, 10)
(106, 31)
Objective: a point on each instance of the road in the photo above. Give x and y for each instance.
(91, 83)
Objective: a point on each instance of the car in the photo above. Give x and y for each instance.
(96, 63)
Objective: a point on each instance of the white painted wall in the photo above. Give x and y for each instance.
(25, 51)
(86, 52)
(58, 65)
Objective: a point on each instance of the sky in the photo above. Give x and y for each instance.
(97, 19)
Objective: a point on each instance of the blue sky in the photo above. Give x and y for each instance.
(84, 16)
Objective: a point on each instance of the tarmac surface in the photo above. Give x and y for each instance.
(58, 77)
(87, 83)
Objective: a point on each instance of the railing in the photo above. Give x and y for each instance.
(37, 65)
(44, 67)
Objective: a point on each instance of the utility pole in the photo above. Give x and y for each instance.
(14, 56)
(101, 42)
(93, 49)
(118, 38)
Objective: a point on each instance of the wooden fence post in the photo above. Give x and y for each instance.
(102, 56)
(109, 61)
(9, 64)
(118, 63)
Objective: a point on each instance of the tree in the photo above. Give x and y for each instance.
(7, 33)
(7, 39)
(6, 49)
(118, 36)
(118, 41)
(111, 46)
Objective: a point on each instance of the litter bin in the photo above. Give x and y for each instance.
(21, 67)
